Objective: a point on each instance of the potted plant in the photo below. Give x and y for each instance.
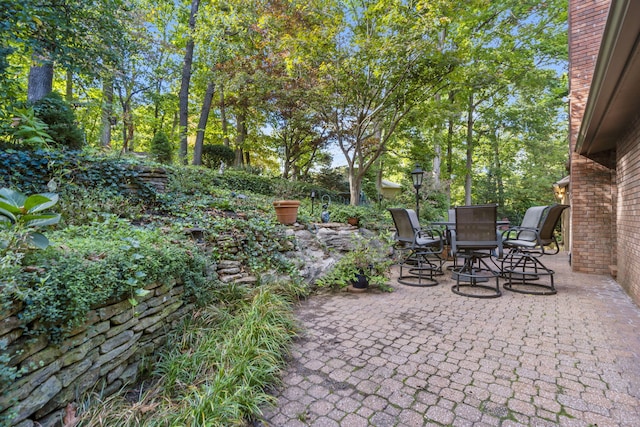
(367, 264)
(286, 205)
(350, 214)
(286, 211)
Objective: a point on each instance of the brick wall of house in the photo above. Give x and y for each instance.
(628, 211)
(592, 185)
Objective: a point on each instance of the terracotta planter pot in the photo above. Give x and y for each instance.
(353, 221)
(286, 211)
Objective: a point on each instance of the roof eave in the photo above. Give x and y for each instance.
(614, 96)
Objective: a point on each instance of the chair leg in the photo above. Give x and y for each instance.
(525, 274)
(420, 270)
(473, 272)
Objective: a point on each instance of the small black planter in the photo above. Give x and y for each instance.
(361, 282)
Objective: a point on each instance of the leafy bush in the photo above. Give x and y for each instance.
(332, 179)
(83, 206)
(32, 170)
(26, 129)
(95, 264)
(213, 154)
(161, 148)
(341, 213)
(61, 121)
(23, 217)
(369, 257)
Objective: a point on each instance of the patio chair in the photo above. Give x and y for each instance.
(475, 239)
(419, 249)
(521, 266)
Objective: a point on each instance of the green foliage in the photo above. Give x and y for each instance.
(84, 206)
(213, 154)
(233, 356)
(239, 180)
(61, 121)
(341, 213)
(369, 257)
(433, 203)
(26, 129)
(190, 180)
(90, 265)
(161, 148)
(32, 170)
(23, 217)
(218, 366)
(8, 374)
(332, 179)
(261, 240)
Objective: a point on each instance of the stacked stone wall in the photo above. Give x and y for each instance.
(106, 351)
(117, 340)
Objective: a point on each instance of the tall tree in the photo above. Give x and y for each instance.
(74, 34)
(184, 85)
(385, 64)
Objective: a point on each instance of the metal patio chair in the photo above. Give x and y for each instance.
(522, 267)
(419, 249)
(475, 239)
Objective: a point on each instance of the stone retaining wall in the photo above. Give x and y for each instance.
(107, 351)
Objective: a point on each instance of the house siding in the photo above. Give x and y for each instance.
(593, 186)
(628, 211)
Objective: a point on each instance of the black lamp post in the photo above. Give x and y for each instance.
(313, 199)
(417, 174)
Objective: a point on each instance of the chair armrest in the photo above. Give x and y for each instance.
(518, 230)
(429, 233)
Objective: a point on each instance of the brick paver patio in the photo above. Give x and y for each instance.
(428, 357)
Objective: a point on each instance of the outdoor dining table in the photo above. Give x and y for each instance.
(451, 225)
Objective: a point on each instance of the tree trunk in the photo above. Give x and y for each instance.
(437, 158)
(127, 128)
(107, 111)
(449, 161)
(469, 165)
(379, 178)
(69, 88)
(184, 86)
(202, 123)
(498, 168)
(223, 117)
(40, 81)
(240, 138)
(355, 185)
(286, 164)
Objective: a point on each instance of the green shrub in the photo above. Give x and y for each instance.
(23, 217)
(213, 154)
(84, 206)
(61, 121)
(31, 171)
(90, 265)
(368, 257)
(161, 148)
(341, 213)
(25, 129)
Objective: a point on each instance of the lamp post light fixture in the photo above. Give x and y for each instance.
(313, 199)
(417, 174)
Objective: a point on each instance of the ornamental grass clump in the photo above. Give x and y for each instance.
(217, 366)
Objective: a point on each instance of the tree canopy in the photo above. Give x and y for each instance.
(473, 91)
